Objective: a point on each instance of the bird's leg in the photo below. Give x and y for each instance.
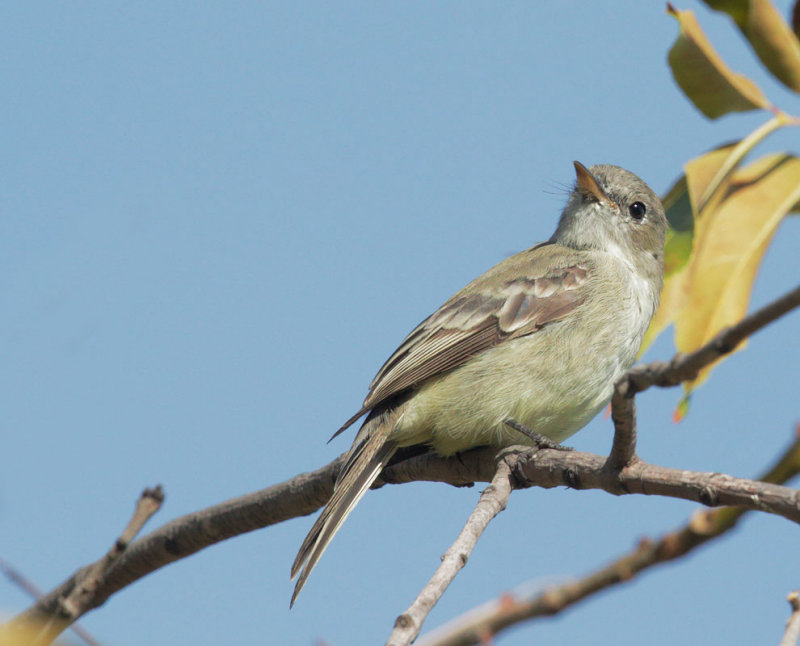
(541, 441)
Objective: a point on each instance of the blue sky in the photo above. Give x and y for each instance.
(218, 219)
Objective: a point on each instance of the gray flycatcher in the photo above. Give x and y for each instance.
(533, 346)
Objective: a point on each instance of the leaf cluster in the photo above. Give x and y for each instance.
(725, 208)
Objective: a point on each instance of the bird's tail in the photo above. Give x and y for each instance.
(364, 464)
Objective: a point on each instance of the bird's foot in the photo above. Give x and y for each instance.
(541, 441)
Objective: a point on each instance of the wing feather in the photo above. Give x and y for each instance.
(470, 323)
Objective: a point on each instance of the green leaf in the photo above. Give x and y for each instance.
(682, 409)
(704, 77)
(678, 245)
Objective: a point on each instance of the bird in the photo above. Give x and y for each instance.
(530, 350)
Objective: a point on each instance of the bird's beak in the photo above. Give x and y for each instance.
(588, 185)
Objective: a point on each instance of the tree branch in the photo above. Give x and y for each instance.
(298, 496)
(684, 367)
(305, 493)
(188, 534)
(492, 501)
(477, 626)
(623, 414)
(42, 629)
(792, 632)
(549, 468)
(82, 594)
(33, 591)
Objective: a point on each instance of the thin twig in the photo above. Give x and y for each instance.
(43, 628)
(19, 579)
(492, 501)
(81, 596)
(29, 587)
(792, 632)
(491, 618)
(683, 367)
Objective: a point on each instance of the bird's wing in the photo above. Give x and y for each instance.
(472, 322)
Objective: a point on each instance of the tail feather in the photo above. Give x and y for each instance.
(364, 465)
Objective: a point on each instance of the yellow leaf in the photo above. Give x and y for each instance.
(681, 207)
(710, 173)
(701, 170)
(728, 246)
(769, 34)
(24, 633)
(704, 77)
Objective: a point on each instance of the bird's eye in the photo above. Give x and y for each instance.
(637, 210)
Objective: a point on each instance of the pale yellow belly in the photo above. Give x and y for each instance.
(468, 406)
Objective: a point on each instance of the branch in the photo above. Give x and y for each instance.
(298, 496)
(81, 596)
(33, 591)
(792, 633)
(20, 580)
(493, 500)
(682, 367)
(42, 629)
(549, 468)
(492, 618)
(307, 492)
(188, 534)
(623, 414)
